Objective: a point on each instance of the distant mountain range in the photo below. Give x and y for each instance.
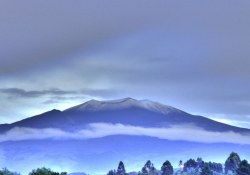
(94, 136)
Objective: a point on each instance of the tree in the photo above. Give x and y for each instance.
(232, 162)
(211, 166)
(111, 172)
(43, 171)
(191, 164)
(5, 171)
(54, 173)
(121, 169)
(148, 169)
(206, 171)
(148, 166)
(144, 171)
(153, 171)
(199, 159)
(199, 163)
(215, 167)
(139, 173)
(202, 165)
(219, 168)
(244, 168)
(167, 168)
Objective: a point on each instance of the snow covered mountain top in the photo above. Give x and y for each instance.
(94, 105)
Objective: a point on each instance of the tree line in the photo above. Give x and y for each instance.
(233, 166)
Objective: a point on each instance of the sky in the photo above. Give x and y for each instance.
(192, 55)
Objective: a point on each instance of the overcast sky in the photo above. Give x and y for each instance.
(192, 55)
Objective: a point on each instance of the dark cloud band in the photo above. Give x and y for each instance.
(33, 94)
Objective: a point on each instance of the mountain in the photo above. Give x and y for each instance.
(94, 136)
(126, 111)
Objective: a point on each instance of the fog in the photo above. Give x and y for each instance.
(98, 130)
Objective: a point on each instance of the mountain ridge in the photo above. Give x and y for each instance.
(126, 111)
(95, 105)
(134, 147)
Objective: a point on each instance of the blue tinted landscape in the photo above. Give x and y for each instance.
(104, 133)
(108, 87)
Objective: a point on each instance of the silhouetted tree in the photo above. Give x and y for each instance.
(148, 166)
(121, 169)
(244, 168)
(148, 169)
(43, 171)
(206, 171)
(199, 163)
(139, 173)
(144, 171)
(210, 164)
(189, 165)
(167, 168)
(5, 171)
(232, 162)
(219, 168)
(111, 172)
(202, 165)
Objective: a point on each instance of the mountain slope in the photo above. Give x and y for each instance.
(125, 111)
(100, 153)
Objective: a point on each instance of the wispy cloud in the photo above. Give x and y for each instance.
(17, 92)
(97, 130)
(57, 93)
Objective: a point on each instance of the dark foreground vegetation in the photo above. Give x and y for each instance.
(233, 166)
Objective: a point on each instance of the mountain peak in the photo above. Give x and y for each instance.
(119, 100)
(95, 105)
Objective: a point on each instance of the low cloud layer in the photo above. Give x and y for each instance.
(97, 130)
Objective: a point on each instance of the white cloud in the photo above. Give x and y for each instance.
(97, 130)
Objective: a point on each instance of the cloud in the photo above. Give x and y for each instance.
(97, 130)
(61, 99)
(17, 92)
(59, 94)
(49, 30)
(20, 103)
(191, 55)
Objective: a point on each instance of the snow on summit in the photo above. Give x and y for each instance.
(94, 105)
